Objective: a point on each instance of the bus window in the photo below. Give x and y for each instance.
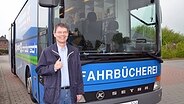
(43, 29)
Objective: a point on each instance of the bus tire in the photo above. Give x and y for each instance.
(29, 87)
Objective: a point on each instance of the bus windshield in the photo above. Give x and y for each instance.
(110, 26)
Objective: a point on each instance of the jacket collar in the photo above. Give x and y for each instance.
(55, 49)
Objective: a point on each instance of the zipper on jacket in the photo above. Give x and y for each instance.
(70, 54)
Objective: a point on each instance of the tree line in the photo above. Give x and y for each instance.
(172, 44)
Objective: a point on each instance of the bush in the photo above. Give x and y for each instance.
(167, 53)
(180, 50)
(172, 44)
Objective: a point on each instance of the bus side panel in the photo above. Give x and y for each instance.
(41, 92)
(26, 33)
(35, 89)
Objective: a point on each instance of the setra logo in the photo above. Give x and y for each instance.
(100, 95)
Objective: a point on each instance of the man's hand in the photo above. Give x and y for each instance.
(58, 65)
(79, 97)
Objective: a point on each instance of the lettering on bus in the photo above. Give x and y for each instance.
(125, 72)
(118, 92)
(32, 49)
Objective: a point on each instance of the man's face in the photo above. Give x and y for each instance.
(61, 35)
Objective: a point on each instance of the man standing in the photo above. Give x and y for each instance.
(60, 66)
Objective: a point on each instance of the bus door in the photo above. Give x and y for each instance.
(12, 50)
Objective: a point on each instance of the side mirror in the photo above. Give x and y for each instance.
(62, 9)
(48, 3)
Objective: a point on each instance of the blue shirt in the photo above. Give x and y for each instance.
(64, 70)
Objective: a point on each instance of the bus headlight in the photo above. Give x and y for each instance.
(157, 84)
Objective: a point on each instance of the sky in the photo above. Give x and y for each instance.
(8, 12)
(172, 14)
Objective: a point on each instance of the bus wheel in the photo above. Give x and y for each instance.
(29, 88)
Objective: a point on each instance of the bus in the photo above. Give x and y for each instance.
(119, 43)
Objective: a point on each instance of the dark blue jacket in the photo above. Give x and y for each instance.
(52, 79)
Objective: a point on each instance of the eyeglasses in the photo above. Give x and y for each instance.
(62, 32)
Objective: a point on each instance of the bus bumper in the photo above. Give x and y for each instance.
(146, 98)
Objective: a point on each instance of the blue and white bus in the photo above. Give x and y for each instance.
(119, 43)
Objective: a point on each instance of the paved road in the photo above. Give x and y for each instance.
(12, 90)
(173, 82)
